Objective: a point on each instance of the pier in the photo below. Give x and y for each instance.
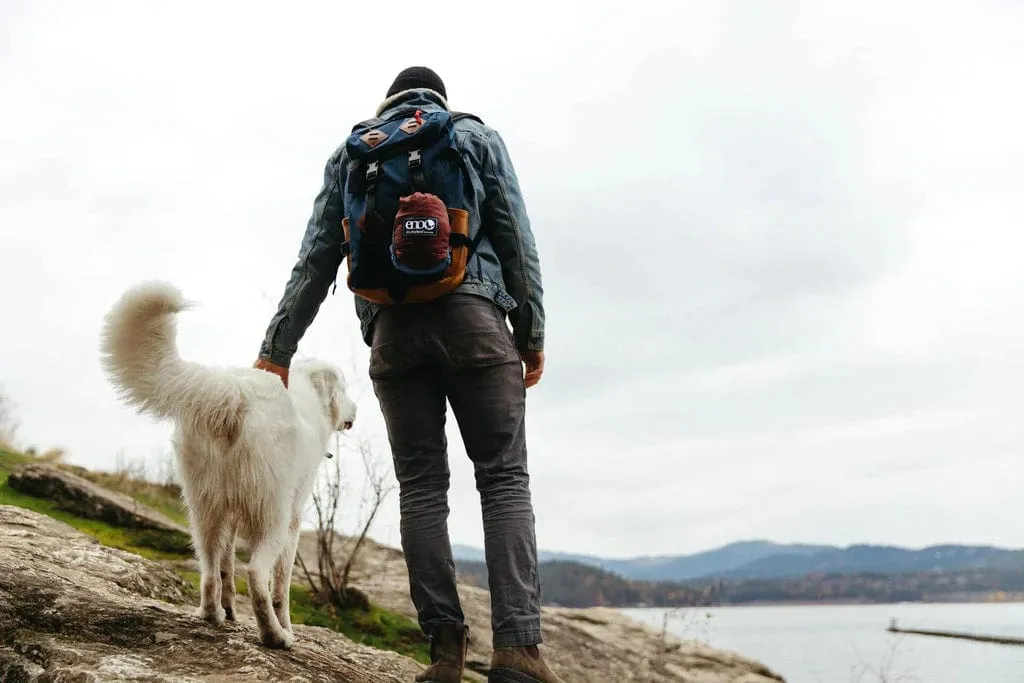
(998, 640)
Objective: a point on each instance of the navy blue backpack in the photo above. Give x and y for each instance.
(406, 226)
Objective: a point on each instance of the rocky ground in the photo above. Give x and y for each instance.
(72, 609)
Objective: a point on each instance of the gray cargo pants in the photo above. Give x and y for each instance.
(459, 348)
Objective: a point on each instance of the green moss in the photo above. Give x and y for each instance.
(9, 460)
(170, 506)
(375, 627)
(172, 543)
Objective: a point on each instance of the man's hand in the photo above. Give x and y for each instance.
(534, 362)
(264, 364)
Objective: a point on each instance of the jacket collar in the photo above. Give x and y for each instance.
(423, 98)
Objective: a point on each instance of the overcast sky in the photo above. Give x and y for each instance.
(781, 241)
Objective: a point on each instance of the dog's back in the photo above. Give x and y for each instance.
(253, 475)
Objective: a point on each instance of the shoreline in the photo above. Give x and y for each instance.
(830, 603)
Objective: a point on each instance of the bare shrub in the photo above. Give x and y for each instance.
(336, 556)
(685, 620)
(885, 671)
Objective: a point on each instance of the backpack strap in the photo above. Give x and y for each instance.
(419, 178)
(377, 121)
(461, 240)
(374, 122)
(372, 178)
(459, 115)
(457, 239)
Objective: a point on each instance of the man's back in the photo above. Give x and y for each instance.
(505, 267)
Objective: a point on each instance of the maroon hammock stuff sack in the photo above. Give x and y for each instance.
(420, 244)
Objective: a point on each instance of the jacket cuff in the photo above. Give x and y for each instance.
(275, 357)
(533, 343)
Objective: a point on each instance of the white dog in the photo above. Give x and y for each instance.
(248, 449)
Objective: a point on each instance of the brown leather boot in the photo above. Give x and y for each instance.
(520, 665)
(448, 648)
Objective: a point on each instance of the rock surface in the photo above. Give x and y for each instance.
(582, 646)
(84, 498)
(74, 610)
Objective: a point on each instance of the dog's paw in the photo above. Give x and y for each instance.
(285, 621)
(215, 615)
(278, 641)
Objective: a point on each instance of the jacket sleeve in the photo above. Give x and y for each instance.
(508, 227)
(319, 257)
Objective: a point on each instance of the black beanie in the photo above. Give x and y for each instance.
(417, 77)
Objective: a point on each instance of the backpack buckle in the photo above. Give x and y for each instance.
(415, 159)
(372, 170)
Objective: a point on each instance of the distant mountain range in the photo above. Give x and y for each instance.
(748, 560)
(570, 584)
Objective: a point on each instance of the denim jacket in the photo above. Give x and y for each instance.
(504, 268)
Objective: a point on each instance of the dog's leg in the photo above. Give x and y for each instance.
(227, 574)
(264, 555)
(208, 531)
(283, 575)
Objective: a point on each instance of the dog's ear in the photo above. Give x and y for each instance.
(327, 383)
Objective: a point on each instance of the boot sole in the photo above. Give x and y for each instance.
(510, 676)
(435, 680)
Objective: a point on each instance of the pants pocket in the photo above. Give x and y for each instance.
(390, 358)
(476, 333)
(391, 348)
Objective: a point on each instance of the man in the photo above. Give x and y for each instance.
(457, 348)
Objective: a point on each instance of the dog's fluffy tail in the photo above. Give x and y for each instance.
(140, 357)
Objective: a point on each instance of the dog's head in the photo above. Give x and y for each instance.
(329, 383)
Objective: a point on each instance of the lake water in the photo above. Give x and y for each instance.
(849, 644)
